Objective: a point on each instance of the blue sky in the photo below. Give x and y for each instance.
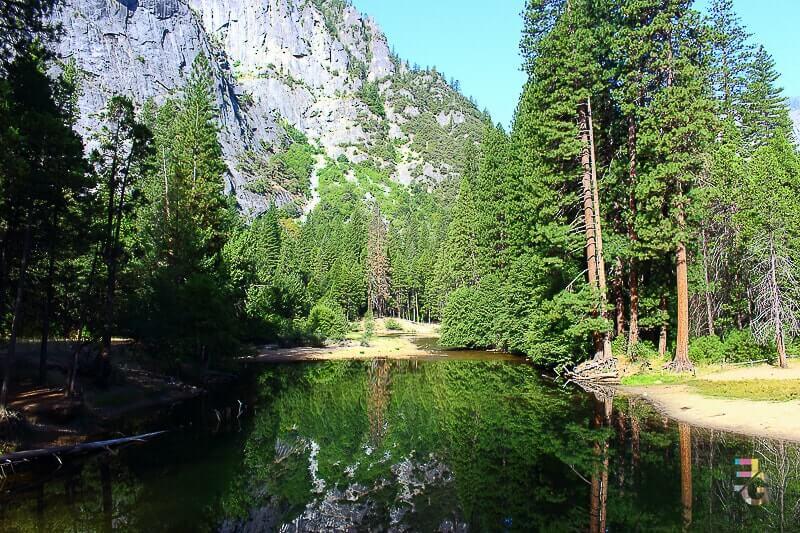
(477, 42)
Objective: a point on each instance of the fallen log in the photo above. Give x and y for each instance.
(24, 456)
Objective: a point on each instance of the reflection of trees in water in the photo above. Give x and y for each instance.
(379, 375)
(781, 464)
(599, 491)
(478, 443)
(685, 443)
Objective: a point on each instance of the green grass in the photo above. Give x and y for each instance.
(761, 390)
(655, 378)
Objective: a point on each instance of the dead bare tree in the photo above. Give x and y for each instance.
(775, 294)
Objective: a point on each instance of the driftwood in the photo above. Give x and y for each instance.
(596, 371)
(20, 457)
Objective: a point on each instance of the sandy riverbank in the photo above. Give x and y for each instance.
(385, 343)
(416, 340)
(685, 402)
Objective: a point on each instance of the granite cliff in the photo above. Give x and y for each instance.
(316, 65)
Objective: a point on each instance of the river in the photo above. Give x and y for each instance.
(464, 443)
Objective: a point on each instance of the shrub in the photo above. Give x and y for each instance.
(709, 349)
(740, 347)
(370, 95)
(393, 325)
(369, 328)
(327, 319)
(645, 351)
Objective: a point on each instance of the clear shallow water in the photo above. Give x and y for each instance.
(448, 445)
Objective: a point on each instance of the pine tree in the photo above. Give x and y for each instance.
(731, 54)
(118, 162)
(458, 264)
(772, 239)
(22, 22)
(765, 113)
(564, 49)
(42, 175)
(377, 263)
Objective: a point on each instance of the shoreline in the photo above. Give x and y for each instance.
(754, 418)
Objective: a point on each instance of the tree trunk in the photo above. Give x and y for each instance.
(709, 304)
(633, 273)
(15, 323)
(682, 349)
(635, 433)
(113, 265)
(588, 215)
(776, 308)
(48, 303)
(598, 229)
(599, 484)
(619, 300)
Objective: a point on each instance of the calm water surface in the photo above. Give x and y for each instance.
(460, 444)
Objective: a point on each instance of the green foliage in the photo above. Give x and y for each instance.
(740, 347)
(463, 323)
(328, 321)
(371, 96)
(289, 170)
(369, 328)
(708, 349)
(393, 325)
(737, 347)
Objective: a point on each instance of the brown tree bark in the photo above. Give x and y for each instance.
(682, 349)
(681, 363)
(588, 213)
(598, 229)
(619, 300)
(633, 271)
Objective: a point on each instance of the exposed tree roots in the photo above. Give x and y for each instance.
(595, 372)
(679, 366)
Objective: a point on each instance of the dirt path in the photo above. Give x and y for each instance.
(780, 420)
(757, 372)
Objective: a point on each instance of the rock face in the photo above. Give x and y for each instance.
(302, 61)
(794, 112)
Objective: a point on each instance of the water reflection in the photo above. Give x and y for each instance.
(409, 446)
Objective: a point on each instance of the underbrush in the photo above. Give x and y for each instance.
(12, 426)
(392, 325)
(736, 347)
